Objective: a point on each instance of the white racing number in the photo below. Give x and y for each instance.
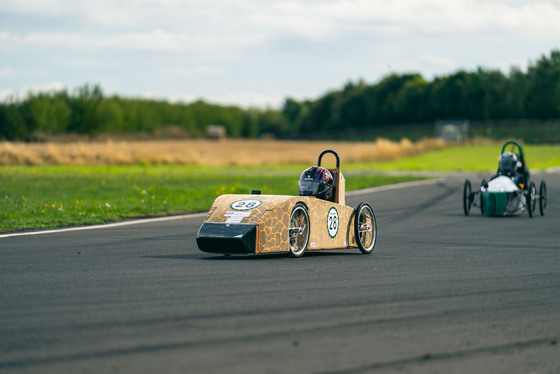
(245, 204)
(332, 222)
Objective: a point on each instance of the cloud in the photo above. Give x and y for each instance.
(152, 41)
(250, 48)
(308, 19)
(188, 72)
(172, 26)
(7, 94)
(250, 98)
(440, 63)
(6, 73)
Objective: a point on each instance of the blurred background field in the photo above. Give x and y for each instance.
(382, 154)
(241, 152)
(62, 185)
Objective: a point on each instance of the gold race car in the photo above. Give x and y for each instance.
(316, 219)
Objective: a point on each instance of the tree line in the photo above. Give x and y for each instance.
(86, 111)
(483, 94)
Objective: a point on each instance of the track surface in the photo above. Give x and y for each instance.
(442, 293)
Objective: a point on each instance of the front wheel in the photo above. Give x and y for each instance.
(467, 201)
(365, 228)
(299, 230)
(531, 198)
(542, 198)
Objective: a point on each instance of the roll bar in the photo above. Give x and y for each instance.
(335, 155)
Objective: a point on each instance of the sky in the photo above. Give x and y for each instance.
(260, 52)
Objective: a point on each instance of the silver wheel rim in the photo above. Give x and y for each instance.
(366, 228)
(298, 231)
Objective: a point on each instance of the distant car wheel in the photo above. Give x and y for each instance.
(531, 198)
(365, 228)
(485, 185)
(542, 197)
(299, 230)
(467, 201)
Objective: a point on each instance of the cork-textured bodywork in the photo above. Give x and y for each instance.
(271, 215)
(256, 224)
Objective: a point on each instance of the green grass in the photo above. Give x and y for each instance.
(474, 158)
(63, 196)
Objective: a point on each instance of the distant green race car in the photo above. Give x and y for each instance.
(508, 192)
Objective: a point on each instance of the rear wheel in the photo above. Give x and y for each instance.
(365, 228)
(531, 199)
(542, 197)
(467, 200)
(298, 230)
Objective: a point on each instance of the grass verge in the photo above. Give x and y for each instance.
(63, 196)
(469, 158)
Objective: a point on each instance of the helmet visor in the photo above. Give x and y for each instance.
(507, 163)
(311, 188)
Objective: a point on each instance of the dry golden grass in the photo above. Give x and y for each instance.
(206, 152)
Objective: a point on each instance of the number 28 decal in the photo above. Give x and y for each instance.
(245, 204)
(332, 222)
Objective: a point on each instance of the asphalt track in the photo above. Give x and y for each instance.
(442, 293)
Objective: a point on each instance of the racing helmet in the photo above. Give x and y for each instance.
(316, 181)
(507, 163)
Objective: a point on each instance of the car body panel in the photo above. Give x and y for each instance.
(502, 196)
(271, 215)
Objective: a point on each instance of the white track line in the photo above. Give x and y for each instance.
(109, 225)
(197, 215)
(551, 170)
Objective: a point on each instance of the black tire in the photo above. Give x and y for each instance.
(531, 198)
(485, 185)
(543, 197)
(298, 234)
(467, 200)
(365, 228)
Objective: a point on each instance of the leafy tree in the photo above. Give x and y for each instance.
(250, 125)
(112, 115)
(50, 112)
(542, 93)
(320, 111)
(447, 95)
(411, 101)
(272, 121)
(350, 111)
(494, 90)
(516, 94)
(84, 105)
(293, 112)
(12, 125)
